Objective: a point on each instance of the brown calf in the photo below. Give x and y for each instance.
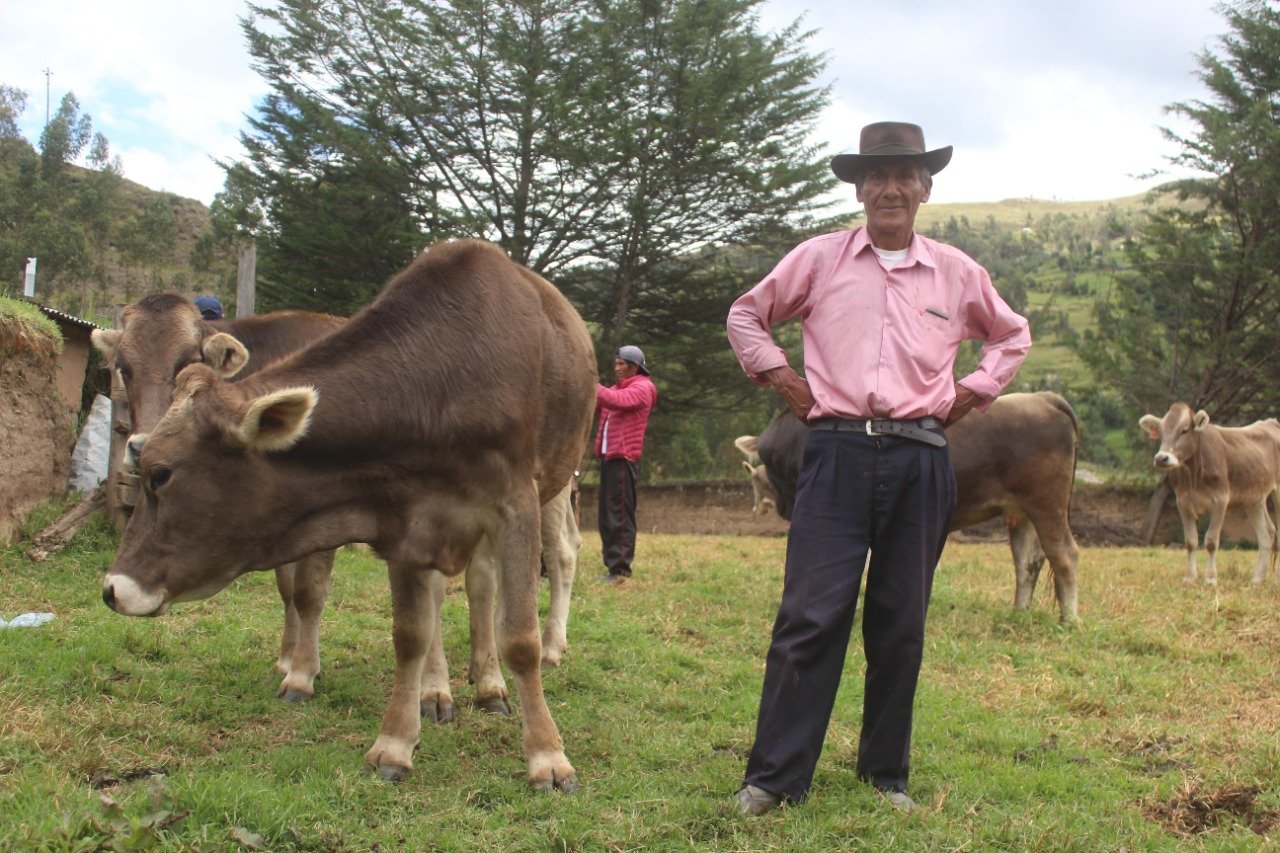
(434, 426)
(1212, 468)
(160, 335)
(1016, 460)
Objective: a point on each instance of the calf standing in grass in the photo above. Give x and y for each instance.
(434, 426)
(1212, 468)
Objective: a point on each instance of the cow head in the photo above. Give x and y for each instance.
(1178, 433)
(158, 336)
(210, 508)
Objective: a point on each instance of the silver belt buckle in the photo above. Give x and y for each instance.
(870, 431)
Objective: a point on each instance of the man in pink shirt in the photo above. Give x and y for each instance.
(624, 415)
(883, 313)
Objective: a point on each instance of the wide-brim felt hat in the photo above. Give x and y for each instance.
(885, 141)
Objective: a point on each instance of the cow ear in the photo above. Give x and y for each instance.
(226, 355)
(276, 421)
(1151, 424)
(1201, 419)
(748, 466)
(106, 341)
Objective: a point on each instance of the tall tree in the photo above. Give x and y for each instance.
(619, 131)
(338, 218)
(616, 146)
(1195, 318)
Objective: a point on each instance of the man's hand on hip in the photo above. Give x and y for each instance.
(965, 401)
(792, 388)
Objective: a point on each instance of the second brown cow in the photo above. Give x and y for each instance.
(434, 425)
(1016, 460)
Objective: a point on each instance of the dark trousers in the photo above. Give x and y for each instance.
(617, 514)
(895, 497)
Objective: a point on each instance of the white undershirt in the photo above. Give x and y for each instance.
(890, 259)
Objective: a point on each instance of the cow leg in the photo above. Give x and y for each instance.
(1265, 530)
(1217, 515)
(560, 543)
(1275, 533)
(312, 579)
(1028, 559)
(521, 647)
(1191, 538)
(485, 674)
(413, 618)
(435, 702)
(1064, 558)
(289, 636)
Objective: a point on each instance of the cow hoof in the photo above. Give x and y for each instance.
(294, 696)
(392, 772)
(436, 713)
(494, 705)
(550, 661)
(567, 785)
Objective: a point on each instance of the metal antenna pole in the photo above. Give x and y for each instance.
(48, 72)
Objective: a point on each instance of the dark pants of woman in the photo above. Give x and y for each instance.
(617, 515)
(894, 497)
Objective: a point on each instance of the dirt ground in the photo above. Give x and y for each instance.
(1100, 515)
(35, 455)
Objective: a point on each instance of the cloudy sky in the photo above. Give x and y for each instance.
(1043, 100)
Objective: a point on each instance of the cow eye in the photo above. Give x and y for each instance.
(158, 477)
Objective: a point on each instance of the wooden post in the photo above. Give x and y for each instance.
(121, 427)
(246, 271)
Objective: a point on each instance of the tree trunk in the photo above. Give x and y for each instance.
(1155, 509)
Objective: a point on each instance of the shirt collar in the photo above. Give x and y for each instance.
(917, 252)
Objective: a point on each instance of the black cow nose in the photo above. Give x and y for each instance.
(109, 596)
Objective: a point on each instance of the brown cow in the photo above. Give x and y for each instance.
(1212, 468)
(1016, 460)
(433, 425)
(161, 334)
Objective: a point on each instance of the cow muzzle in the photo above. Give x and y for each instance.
(1164, 459)
(123, 595)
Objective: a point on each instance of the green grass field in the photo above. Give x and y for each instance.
(1156, 715)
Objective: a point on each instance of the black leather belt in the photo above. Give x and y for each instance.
(920, 429)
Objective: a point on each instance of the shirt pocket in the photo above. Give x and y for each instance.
(935, 330)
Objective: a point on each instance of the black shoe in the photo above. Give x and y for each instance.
(753, 801)
(900, 801)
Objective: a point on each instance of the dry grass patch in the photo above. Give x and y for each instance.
(1194, 809)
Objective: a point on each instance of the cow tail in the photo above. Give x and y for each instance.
(1060, 403)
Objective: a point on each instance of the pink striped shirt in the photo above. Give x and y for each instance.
(881, 343)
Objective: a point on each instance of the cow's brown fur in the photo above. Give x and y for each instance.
(1016, 460)
(1212, 468)
(446, 413)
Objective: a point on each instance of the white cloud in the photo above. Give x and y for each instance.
(168, 84)
(1044, 100)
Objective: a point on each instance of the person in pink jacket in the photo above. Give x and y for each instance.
(624, 414)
